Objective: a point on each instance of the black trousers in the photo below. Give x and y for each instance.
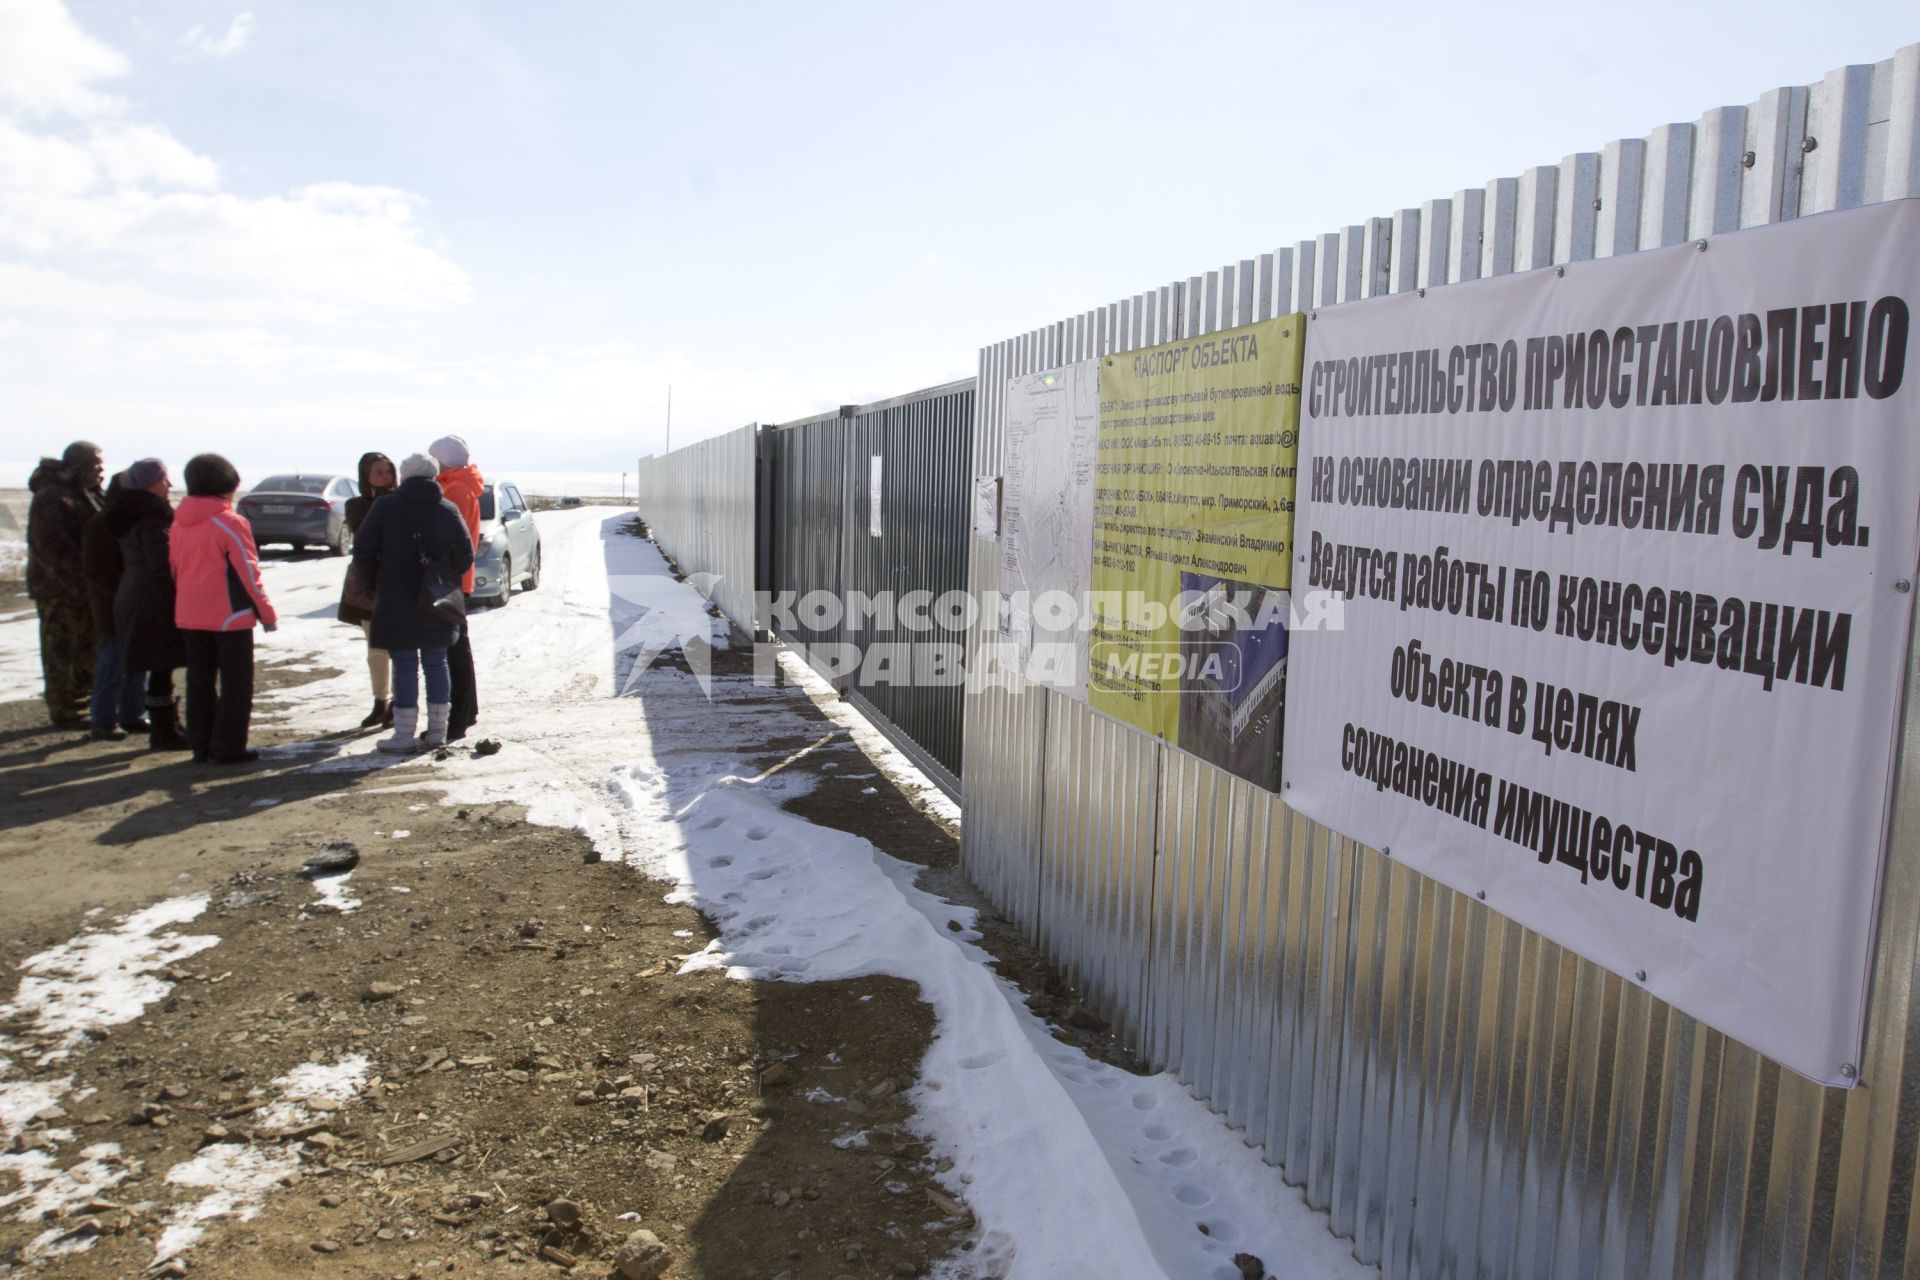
(219, 690)
(160, 688)
(466, 694)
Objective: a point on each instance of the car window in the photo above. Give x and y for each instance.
(342, 489)
(292, 484)
(513, 496)
(486, 503)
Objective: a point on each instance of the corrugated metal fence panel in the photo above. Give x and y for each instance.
(1004, 717)
(809, 510)
(1096, 862)
(699, 502)
(925, 444)
(1463, 1097)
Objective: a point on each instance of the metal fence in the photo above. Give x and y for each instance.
(699, 502)
(826, 538)
(1463, 1097)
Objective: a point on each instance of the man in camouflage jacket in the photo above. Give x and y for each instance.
(66, 494)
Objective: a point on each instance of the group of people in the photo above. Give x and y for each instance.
(129, 589)
(408, 524)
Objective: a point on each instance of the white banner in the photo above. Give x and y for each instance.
(1046, 522)
(1627, 553)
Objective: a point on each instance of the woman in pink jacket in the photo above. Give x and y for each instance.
(218, 597)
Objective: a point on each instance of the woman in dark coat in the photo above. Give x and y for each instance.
(377, 479)
(119, 693)
(404, 530)
(142, 521)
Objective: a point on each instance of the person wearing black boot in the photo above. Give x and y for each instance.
(377, 479)
(462, 484)
(142, 521)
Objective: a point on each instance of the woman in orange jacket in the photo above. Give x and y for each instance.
(461, 483)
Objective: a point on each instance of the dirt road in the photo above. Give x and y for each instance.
(504, 1069)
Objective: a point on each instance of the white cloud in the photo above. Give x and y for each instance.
(104, 211)
(49, 65)
(132, 155)
(239, 32)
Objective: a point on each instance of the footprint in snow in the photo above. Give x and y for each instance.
(756, 833)
(979, 1060)
(1180, 1157)
(723, 861)
(1157, 1132)
(764, 873)
(711, 823)
(1145, 1102)
(1188, 1194)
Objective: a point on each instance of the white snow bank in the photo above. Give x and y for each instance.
(1074, 1167)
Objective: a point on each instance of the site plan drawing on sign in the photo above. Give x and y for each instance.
(1046, 543)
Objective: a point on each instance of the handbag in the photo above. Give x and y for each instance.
(357, 591)
(442, 597)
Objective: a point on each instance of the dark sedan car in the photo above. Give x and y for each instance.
(302, 510)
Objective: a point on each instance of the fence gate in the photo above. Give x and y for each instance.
(868, 510)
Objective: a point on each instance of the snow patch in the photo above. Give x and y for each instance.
(105, 977)
(335, 1082)
(48, 1192)
(22, 1100)
(331, 892)
(238, 1180)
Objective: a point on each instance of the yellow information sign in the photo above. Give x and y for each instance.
(1193, 541)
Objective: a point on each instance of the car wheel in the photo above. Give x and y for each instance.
(342, 541)
(506, 582)
(533, 574)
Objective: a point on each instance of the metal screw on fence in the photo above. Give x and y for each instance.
(1748, 159)
(1903, 586)
(1848, 1070)
(1640, 975)
(1386, 851)
(1701, 245)
(1809, 144)
(1482, 895)
(1559, 271)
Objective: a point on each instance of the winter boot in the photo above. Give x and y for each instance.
(381, 715)
(163, 729)
(436, 734)
(402, 743)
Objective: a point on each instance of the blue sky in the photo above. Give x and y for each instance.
(295, 231)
